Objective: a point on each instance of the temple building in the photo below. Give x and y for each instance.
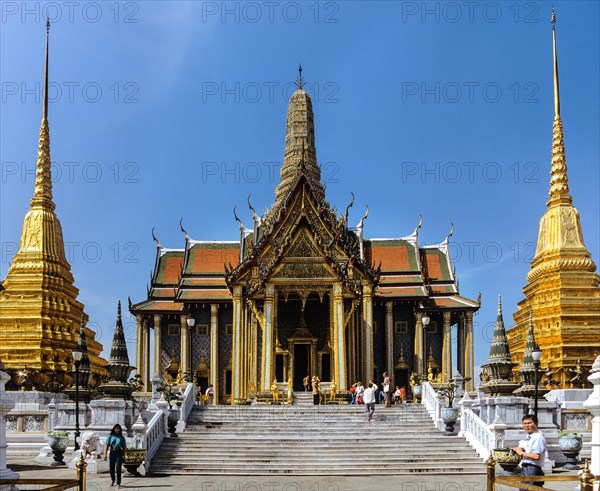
(562, 291)
(40, 316)
(302, 292)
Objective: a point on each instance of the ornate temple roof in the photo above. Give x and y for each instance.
(301, 224)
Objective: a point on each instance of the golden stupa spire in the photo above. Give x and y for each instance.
(43, 178)
(559, 183)
(39, 312)
(300, 152)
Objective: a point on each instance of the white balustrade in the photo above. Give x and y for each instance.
(476, 431)
(189, 399)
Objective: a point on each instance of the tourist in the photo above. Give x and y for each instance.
(386, 389)
(316, 390)
(402, 394)
(360, 392)
(353, 393)
(117, 446)
(369, 398)
(532, 449)
(306, 382)
(397, 395)
(209, 395)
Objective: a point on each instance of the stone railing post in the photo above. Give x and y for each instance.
(593, 406)
(6, 405)
(499, 429)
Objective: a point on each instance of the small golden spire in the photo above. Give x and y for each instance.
(43, 178)
(559, 182)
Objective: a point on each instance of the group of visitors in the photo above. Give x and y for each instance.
(383, 396)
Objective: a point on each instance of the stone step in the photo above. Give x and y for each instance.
(311, 469)
(313, 440)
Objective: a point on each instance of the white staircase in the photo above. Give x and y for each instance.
(313, 440)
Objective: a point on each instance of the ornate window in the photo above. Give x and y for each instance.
(202, 330)
(173, 330)
(432, 327)
(228, 329)
(400, 327)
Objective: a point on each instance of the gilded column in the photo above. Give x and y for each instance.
(368, 328)
(418, 353)
(139, 345)
(254, 351)
(460, 346)
(267, 340)
(389, 338)
(184, 344)
(469, 350)
(340, 337)
(157, 345)
(146, 375)
(238, 344)
(447, 347)
(214, 350)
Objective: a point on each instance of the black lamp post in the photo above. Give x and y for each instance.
(185, 370)
(425, 320)
(536, 354)
(77, 354)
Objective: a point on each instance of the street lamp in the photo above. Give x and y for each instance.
(536, 354)
(185, 370)
(77, 355)
(425, 320)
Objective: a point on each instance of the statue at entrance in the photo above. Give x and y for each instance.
(332, 390)
(275, 390)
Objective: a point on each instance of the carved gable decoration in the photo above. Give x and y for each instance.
(304, 247)
(304, 271)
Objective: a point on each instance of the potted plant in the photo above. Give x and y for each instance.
(570, 443)
(172, 398)
(58, 442)
(134, 457)
(449, 412)
(507, 458)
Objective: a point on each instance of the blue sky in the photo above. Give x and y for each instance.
(169, 110)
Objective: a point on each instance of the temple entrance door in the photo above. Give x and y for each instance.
(401, 378)
(301, 364)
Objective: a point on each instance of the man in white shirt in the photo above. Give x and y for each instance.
(369, 399)
(532, 449)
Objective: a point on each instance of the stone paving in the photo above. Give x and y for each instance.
(421, 482)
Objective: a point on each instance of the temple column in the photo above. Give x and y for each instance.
(147, 384)
(447, 347)
(238, 346)
(368, 328)
(214, 350)
(254, 352)
(184, 363)
(469, 350)
(418, 353)
(389, 338)
(460, 346)
(157, 345)
(268, 349)
(139, 345)
(339, 339)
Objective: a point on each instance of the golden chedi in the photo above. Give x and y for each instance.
(562, 292)
(40, 315)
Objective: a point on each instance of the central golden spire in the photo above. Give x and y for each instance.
(300, 153)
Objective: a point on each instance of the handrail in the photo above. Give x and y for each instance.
(429, 398)
(155, 434)
(477, 432)
(189, 399)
